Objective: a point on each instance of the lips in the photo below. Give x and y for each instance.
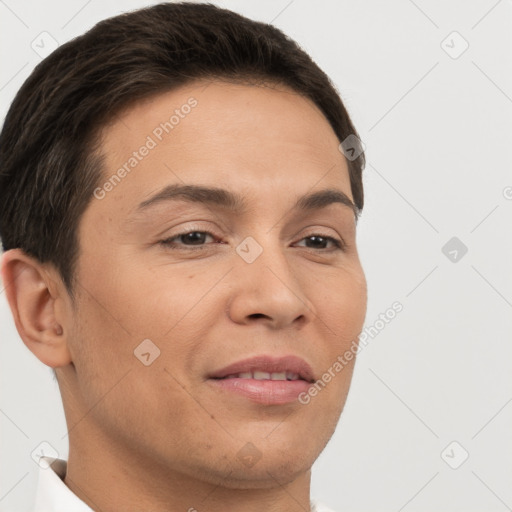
(288, 368)
(260, 375)
(263, 380)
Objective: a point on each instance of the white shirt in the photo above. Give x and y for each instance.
(53, 495)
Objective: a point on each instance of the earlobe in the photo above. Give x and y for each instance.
(32, 302)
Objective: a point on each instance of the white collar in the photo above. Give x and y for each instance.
(52, 494)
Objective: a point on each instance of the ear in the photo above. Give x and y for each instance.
(37, 306)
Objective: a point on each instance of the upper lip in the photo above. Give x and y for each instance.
(268, 364)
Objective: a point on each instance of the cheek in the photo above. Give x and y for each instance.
(102, 348)
(344, 306)
(158, 299)
(116, 388)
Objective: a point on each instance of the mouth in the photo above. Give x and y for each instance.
(264, 379)
(263, 375)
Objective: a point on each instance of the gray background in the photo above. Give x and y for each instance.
(437, 129)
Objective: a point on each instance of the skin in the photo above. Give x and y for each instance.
(159, 437)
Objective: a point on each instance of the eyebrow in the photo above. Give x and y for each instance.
(236, 203)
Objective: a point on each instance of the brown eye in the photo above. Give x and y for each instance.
(319, 241)
(193, 239)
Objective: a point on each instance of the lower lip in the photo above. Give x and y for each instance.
(268, 392)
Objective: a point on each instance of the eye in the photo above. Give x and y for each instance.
(319, 239)
(195, 237)
(194, 240)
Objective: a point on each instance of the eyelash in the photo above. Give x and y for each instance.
(169, 244)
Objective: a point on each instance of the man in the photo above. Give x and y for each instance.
(179, 228)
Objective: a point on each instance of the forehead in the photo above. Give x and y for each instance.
(260, 139)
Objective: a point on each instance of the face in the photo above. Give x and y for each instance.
(260, 280)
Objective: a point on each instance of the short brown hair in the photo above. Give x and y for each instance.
(49, 153)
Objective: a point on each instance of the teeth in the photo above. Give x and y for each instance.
(258, 375)
(261, 375)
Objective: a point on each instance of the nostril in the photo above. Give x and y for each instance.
(258, 315)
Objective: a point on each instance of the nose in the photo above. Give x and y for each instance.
(269, 290)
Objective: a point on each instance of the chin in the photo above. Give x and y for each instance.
(267, 473)
(282, 460)
(264, 467)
